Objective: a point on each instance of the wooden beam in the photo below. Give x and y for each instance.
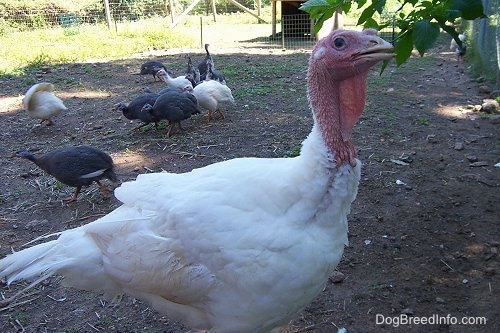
(240, 6)
(184, 13)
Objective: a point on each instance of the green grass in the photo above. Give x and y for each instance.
(423, 121)
(38, 48)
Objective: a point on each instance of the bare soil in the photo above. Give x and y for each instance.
(424, 232)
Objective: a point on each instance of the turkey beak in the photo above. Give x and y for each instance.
(377, 50)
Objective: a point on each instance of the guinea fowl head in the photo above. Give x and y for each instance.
(119, 107)
(338, 68)
(162, 74)
(147, 108)
(25, 154)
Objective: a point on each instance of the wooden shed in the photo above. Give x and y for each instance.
(296, 23)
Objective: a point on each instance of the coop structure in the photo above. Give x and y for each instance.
(295, 22)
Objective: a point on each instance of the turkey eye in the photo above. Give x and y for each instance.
(339, 42)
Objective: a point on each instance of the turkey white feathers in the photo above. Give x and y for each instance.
(237, 246)
(41, 103)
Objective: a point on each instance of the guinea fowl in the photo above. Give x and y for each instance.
(41, 103)
(242, 245)
(75, 166)
(152, 67)
(192, 73)
(211, 94)
(203, 68)
(179, 82)
(173, 106)
(132, 111)
(461, 49)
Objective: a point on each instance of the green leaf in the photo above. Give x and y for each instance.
(367, 13)
(315, 7)
(320, 20)
(425, 34)
(379, 5)
(403, 47)
(371, 23)
(469, 9)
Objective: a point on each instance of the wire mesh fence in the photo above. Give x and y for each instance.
(290, 31)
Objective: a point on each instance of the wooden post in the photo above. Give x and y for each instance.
(273, 18)
(259, 5)
(214, 10)
(171, 5)
(201, 31)
(108, 13)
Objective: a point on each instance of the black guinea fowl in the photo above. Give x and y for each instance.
(75, 166)
(174, 106)
(203, 68)
(132, 111)
(152, 67)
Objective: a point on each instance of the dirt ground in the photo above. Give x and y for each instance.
(424, 232)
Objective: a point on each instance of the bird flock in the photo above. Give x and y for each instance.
(241, 245)
(202, 87)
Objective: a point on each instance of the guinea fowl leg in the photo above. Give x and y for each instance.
(170, 126)
(221, 114)
(73, 197)
(104, 190)
(49, 122)
(136, 128)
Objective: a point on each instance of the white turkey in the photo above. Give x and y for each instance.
(241, 245)
(41, 103)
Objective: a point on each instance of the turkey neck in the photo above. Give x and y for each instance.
(336, 106)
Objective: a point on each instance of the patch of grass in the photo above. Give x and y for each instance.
(423, 121)
(20, 317)
(294, 151)
(387, 132)
(94, 42)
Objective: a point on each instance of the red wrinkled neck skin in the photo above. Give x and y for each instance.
(338, 104)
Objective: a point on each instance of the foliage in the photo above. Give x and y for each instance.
(418, 21)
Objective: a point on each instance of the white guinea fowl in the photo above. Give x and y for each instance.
(211, 94)
(41, 103)
(179, 82)
(237, 246)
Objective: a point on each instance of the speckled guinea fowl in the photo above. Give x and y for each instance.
(75, 166)
(152, 67)
(173, 106)
(132, 111)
